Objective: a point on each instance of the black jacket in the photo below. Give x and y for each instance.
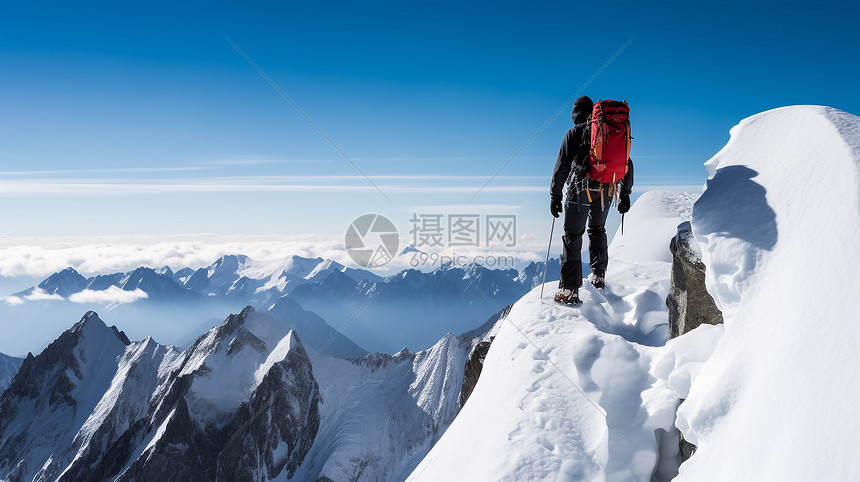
(573, 156)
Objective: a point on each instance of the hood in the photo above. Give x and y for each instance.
(581, 109)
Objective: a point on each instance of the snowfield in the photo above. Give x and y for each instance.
(593, 393)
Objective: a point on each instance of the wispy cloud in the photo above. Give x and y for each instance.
(428, 184)
(425, 159)
(251, 160)
(396, 183)
(37, 294)
(125, 170)
(13, 300)
(112, 294)
(466, 208)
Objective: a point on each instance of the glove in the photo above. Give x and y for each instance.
(624, 203)
(555, 207)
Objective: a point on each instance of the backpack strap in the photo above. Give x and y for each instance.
(601, 199)
(615, 189)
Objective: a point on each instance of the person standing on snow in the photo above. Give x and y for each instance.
(588, 201)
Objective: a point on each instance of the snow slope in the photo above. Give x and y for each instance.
(566, 393)
(381, 414)
(779, 225)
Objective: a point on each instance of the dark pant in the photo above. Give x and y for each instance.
(577, 212)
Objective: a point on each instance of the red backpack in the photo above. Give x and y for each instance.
(610, 141)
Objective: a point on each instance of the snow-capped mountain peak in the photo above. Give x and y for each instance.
(227, 264)
(300, 266)
(54, 393)
(63, 283)
(241, 350)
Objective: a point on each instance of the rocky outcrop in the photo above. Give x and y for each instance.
(690, 304)
(475, 363)
(473, 370)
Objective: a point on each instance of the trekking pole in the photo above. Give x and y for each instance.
(546, 263)
(622, 224)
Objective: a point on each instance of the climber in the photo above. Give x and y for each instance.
(593, 182)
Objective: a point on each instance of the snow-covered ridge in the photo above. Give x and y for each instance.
(567, 393)
(779, 225)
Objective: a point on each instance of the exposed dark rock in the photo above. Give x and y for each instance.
(121, 335)
(687, 449)
(689, 302)
(473, 370)
(183, 452)
(378, 360)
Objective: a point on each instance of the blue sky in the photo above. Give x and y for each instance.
(140, 118)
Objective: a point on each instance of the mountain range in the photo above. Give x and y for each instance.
(411, 308)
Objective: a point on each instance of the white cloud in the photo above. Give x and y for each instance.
(13, 300)
(39, 294)
(111, 295)
(40, 257)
